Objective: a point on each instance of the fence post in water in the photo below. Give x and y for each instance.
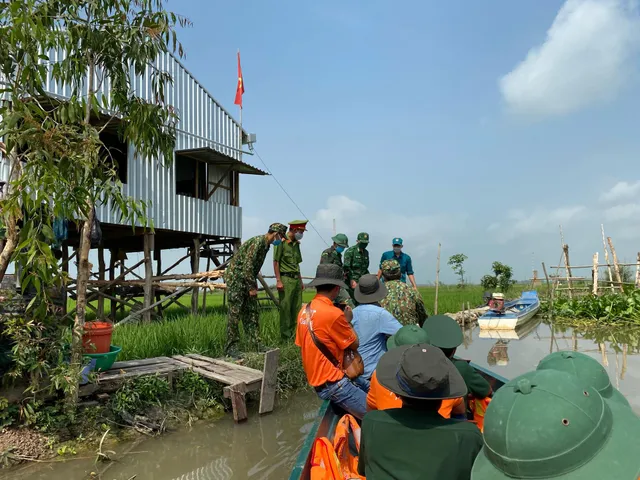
(606, 259)
(616, 267)
(565, 249)
(595, 273)
(435, 303)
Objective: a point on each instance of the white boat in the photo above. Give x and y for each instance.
(518, 333)
(514, 313)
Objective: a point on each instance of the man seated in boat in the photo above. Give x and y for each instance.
(415, 441)
(379, 398)
(445, 333)
(373, 324)
(324, 334)
(549, 424)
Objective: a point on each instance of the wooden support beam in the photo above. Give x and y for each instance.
(565, 249)
(269, 381)
(182, 259)
(219, 182)
(204, 294)
(148, 276)
(268, 289)
(112, 276)
(238, 401)
(606, 258)
(195, 267)
(101, 276)
(158, 256)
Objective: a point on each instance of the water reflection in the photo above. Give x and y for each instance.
(512, 353)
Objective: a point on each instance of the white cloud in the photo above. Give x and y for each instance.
(621, 191)
(629, 211)
(586, 57)
(519, 222)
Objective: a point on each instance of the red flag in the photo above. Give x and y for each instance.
(240, 87)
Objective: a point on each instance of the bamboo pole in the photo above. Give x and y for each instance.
(148, 276)
(595, 273)
(195, 267)
(606, 258)
(549, 289)
(577, 267)
(565, 249)
(435, 303)
(638, 271)
(616, 267)
(603, 350)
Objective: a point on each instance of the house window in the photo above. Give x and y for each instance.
(191, 177)
(114, 152)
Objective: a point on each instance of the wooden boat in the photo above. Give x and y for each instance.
(518, 333)
(329, 415)
(514, 314)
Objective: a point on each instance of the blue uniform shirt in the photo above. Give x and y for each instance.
(406, 268)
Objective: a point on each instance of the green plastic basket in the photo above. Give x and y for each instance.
(104, 361)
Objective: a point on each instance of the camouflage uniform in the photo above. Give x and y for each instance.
(356, 261)
(240, 277)
(402, 301)
(333, 257)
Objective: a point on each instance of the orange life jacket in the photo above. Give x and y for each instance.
(324, 462)
(479, 407)
(348, 461)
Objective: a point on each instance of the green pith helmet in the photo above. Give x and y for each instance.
(390, 267)
(363, 237)
(279, 228)
(443, 331)
(587, 369)
(545, 424)
(407, 335)
(341, 240)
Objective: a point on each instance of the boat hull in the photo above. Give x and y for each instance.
(329, 415)
(517, 313)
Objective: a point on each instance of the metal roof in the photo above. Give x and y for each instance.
(209, 155)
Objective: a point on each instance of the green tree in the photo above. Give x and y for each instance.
(502, 278)
(457, 265)
(59, 165)
(489, 282)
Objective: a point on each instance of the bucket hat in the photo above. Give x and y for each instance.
(587, 369)
(407, 335)
(328, 274)
(546, 424)
(420, 372)
(443, 331)
(389, 267)
(363, 237)
(341, 240)
(369, 289)
(279, 228)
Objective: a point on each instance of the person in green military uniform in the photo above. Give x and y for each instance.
(356, 263)
(445, 333)
(333, 256)
(549, 424)
(286, 266)
(402, 301)
(242, 289)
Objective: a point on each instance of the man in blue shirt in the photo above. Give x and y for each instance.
(372, 323)
(406, 268)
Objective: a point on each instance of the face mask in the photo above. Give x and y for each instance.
(363, 245)
(277, 242)
(298, 235)
(397, 249)
(339, 249)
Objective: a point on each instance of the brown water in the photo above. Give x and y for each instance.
(266, 447)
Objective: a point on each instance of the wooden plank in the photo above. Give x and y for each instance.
(202, 370)
(138, 363)
(233, 376)
(114, 384)
(217, 361)
(238, 401)
(251, 387)
(140, 371)
(269, 381)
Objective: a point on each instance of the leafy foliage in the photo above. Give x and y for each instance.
(457, 263)
(605, 309)
(502, 278)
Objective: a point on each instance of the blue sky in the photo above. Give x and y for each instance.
(481, 125)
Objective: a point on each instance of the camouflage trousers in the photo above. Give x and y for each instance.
(242, 308)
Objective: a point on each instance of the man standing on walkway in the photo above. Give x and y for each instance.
(406, 268)
(242, 289)
(286, 266)
(356, 262)
(333, 256)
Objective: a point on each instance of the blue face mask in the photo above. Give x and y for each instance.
(277, 242)
(339, 249)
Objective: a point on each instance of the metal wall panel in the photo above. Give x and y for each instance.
(203, 122)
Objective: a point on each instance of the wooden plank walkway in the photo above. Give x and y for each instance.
(238, 379)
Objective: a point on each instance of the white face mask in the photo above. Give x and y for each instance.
(397, 249)
(299, 235)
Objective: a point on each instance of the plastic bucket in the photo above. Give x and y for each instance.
(97, 337)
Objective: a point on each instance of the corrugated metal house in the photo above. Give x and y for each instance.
(195, 195)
